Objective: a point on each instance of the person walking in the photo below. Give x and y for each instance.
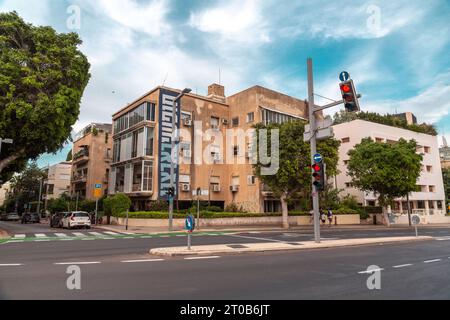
(323, 217)
(330, 217)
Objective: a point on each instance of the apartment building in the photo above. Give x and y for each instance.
(91, 163)
(58, 181)
(209, 160)
(431, 198)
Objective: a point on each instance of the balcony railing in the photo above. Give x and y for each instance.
(78, 178)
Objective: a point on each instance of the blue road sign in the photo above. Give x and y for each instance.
(344, 76)
(318, 158)
(98, 186)
(190, 223)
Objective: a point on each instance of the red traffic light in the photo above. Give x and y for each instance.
(316, 168)
(346, 88)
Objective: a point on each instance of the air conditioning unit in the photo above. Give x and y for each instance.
(216, 158)
(188, 122)
(234, 188)
(216, 188)
(187, 154)
(185, 187)
(225, 122)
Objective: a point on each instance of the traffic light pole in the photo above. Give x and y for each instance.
(312, 124)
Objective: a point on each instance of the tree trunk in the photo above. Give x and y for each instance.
(284, 206)
(8, 160)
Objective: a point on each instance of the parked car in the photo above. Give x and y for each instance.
(12, 217)
(78, 219)
(56, 219)
(31, 218)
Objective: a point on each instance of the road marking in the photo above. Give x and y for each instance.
(40, 235)
(97, 234)
(61, 235)
(15, 241)
(11, 265)
(443, 239)
(79, 234)
(202, 258)
(402, 266)
(142, 261)
(255, 238)
(432, 261)
(112, 233)
(88, 239)
(371, 271)
(20, 236)
(75, 263)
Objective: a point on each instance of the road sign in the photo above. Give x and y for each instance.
(344, 76)
(318, 158)
(415, 220)
(190, 223)
(98, 190)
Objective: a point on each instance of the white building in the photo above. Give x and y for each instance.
(58, 181)
(431, 199)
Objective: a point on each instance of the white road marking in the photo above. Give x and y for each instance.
(202, 258)
(20, 236)
(402, 266)
(112, 233)
(142, 261)
(128, 238)
(79, 234)
(97, 234)
(372, 271)
(75, 263)
(40, 235)
(61, 235)
(443, 239)
(15, 241)
(88, 239)
(255, 238)
(11, 265)
(432, 261)
(41, 240)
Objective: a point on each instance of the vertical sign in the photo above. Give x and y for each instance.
(98, 191)
(166, 99)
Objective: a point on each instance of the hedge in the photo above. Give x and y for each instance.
(218, 215)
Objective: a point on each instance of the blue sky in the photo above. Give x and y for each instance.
(398, 52)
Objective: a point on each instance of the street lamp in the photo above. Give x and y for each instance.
(2, 141)
(172, 164)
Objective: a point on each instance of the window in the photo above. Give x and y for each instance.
(151, 112)
(427, 149)
(116, 152)
(215, 123)
(379, 140)
(276, 117)
(236, 151)
(346, 140)
(251, 117)
(429, 169)
(137, 115)
(235, 181)
(423, 188)
(185, 149)
(149, 142)
(185, 116)
(235, 122)
(251, 180)
(349, 185)
(137, 177)
(148, 176)
(50, 188)
(432, 189)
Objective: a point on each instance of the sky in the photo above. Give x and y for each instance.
(397, 52)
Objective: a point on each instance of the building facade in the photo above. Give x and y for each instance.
(210, 159)
(91, 160)
(431, 199)
(4, 190)
(58, 181)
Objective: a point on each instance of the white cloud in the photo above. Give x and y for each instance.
(33, 11)
(240, 21)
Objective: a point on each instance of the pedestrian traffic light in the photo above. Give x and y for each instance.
(171, 192)
(350, 96)
(319, 176)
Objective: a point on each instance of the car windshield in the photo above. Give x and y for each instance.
(81, 215)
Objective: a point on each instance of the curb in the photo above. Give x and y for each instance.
(280, 247)
(4, 235)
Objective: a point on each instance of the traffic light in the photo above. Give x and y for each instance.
(319, 176)
(350, 96)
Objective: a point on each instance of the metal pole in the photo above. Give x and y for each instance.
(40, 196)
(312, 123)
(96, 212)
(409, 210)
(76, 205)
(198, 209)
(189, 240)
(128, 215)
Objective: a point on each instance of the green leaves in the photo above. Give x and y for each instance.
(42, 79)
(389, 170)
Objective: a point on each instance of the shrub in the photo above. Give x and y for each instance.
(118, 204)
(159, 205)
(57, 205)
(233, 207)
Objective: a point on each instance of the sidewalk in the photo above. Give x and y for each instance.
(209, 250)
(4, 234)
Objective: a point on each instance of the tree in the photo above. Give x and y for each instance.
(69, 156)
(293, 180)
(25, 186)
(389, 170)
(42, 79)
(446, 177)
(116, 204)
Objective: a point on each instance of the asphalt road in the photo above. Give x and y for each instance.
(121, 269)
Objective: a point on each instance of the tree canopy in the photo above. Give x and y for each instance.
(43, 75)
(389, 170)
(294, 177)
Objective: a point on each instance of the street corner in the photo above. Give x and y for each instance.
(4, 235)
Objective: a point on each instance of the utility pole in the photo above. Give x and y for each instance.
(312, 123)
(40, 197)
(175, 135)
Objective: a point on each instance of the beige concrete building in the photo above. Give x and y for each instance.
(431, 199)
(219, 166)
(58, 181)
(92, 156)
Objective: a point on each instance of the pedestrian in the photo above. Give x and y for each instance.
(323, 217)
(330, 217)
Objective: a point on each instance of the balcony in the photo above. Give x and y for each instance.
(81, 156)
(79, 179)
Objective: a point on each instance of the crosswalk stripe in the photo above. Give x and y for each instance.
(97, 234)
(40, 235)
(61, 235)
(79, 234)
(20, 236)
(112, 233)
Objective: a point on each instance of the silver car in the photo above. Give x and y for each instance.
(78, 219)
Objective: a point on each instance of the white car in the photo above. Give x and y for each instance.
(78, 219)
